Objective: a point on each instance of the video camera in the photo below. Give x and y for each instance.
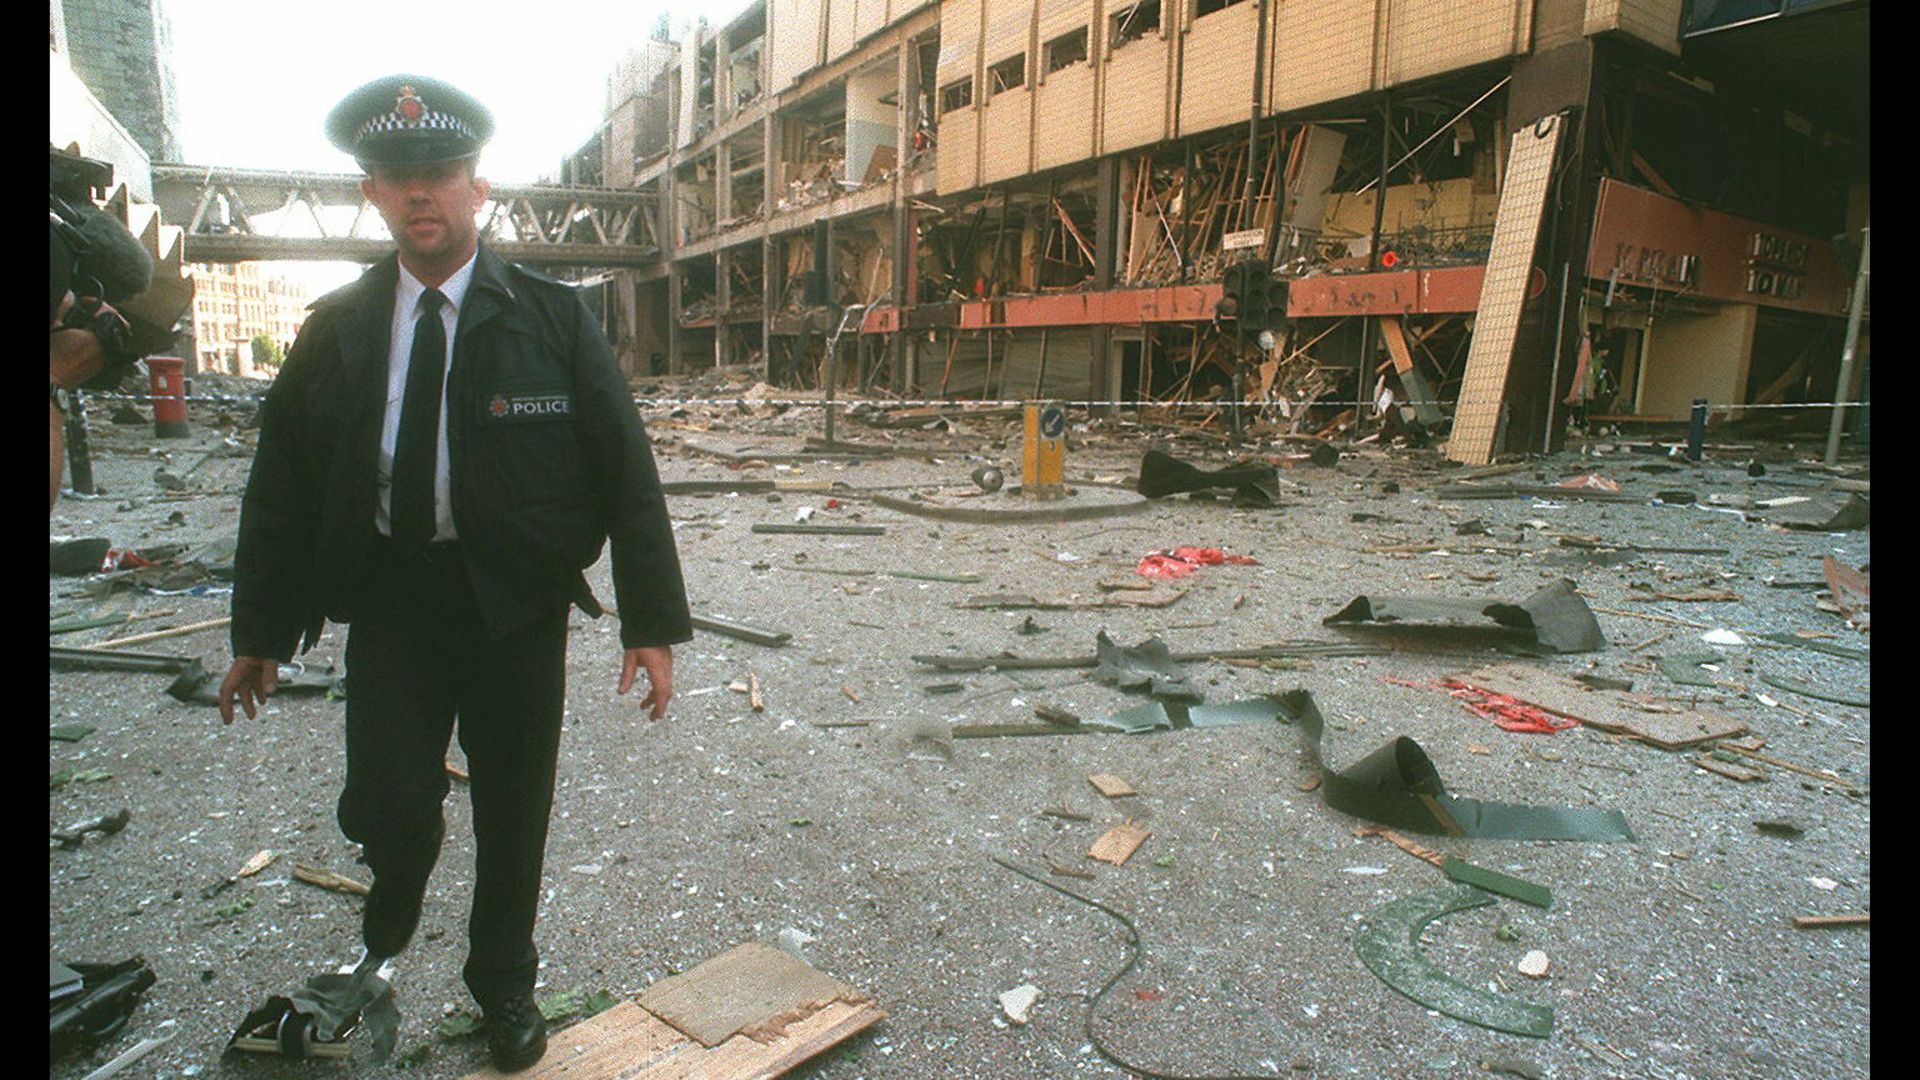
(95, 258)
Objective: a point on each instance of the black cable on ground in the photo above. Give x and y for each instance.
(1133, 961)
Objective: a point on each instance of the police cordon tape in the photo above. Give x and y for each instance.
(915, 403)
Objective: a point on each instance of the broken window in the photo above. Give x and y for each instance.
(1066, 49)
(1134, 23)
(1207, 7)
(956, 95)
(1008, 74)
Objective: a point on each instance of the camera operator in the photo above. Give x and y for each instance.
(93, 262)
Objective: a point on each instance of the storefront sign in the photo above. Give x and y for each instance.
(1646, 239)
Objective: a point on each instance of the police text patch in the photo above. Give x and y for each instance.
(505, 407)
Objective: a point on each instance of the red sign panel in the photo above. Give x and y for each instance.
(1392, 292)
(1647, 239)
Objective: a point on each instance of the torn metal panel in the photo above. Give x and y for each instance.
(1554, 616)
(1820, 514)
(1494, 881)
(1161, 474)
(1174, 716)
(1149, 665)
(1388, 942)
(1397, 785)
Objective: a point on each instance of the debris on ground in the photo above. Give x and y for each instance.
(1183, 561)
(1554, 617)
(751, 1006)
(1821, 922)
(1388, 942)
(1148, 665)
(1161, 475)
(1017, 1003)
(319, 1018)
(95, 1003)
(1608, 710)
(1398, 785)
(1118, 844)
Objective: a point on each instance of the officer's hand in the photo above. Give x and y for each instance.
(252, 679)
(658, 660)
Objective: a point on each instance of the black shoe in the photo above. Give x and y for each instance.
(516, 1033)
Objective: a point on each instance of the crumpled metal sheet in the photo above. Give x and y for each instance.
(1148, 665)
(338, 1004)
(1823, 513)
(1174, 716)
(1161, 474)
(1398, 786)
(1554, 616)
(1388, 942)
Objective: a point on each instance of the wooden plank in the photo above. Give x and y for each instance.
(1396, 338)
(1113, 787)
(625, 1039)
(743, 1057)
(751, 987)
(1118, 844)
(1607, 710)
(629, 1043)
(1814, 922)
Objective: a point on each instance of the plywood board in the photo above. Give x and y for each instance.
(1607, 710)
(1118, 844)
(629, 1043)
(752, 987)
(1396, 339)
(1113, 787)
(1504, 291)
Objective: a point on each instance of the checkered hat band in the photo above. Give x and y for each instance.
(386, 123)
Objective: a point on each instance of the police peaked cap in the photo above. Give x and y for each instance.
(409, 120)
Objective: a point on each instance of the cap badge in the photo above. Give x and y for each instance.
(409, 107)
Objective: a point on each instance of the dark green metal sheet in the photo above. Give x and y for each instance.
(1397, 785)
(1388, 942)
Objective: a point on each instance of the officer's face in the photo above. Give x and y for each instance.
(429, 209)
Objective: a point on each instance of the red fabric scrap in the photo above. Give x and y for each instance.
(1182, 561)
(1506, 711)
(123, 559)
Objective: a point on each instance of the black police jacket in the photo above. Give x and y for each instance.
(548, 460)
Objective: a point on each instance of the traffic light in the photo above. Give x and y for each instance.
(1233, 286)
(1252, 300)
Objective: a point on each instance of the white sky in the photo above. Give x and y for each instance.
(255, 81)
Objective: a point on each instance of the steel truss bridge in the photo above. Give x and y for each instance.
(222, 211)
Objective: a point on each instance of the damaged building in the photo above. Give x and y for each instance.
(1487, 215)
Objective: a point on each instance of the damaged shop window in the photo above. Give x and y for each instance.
(956, 95)
(1008, 74)
(1065, 51)
(1133, 24)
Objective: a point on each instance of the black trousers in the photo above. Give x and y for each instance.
(418, 659)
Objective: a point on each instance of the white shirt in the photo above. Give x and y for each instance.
(406, 316)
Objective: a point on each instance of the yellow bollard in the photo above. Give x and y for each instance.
(1044, 472)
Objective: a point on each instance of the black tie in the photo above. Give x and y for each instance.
(416, 449)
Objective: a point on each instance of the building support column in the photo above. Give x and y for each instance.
(1106, 211)
(1567, 73)
(905, 250)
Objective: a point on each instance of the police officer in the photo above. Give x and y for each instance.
(448, 445)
